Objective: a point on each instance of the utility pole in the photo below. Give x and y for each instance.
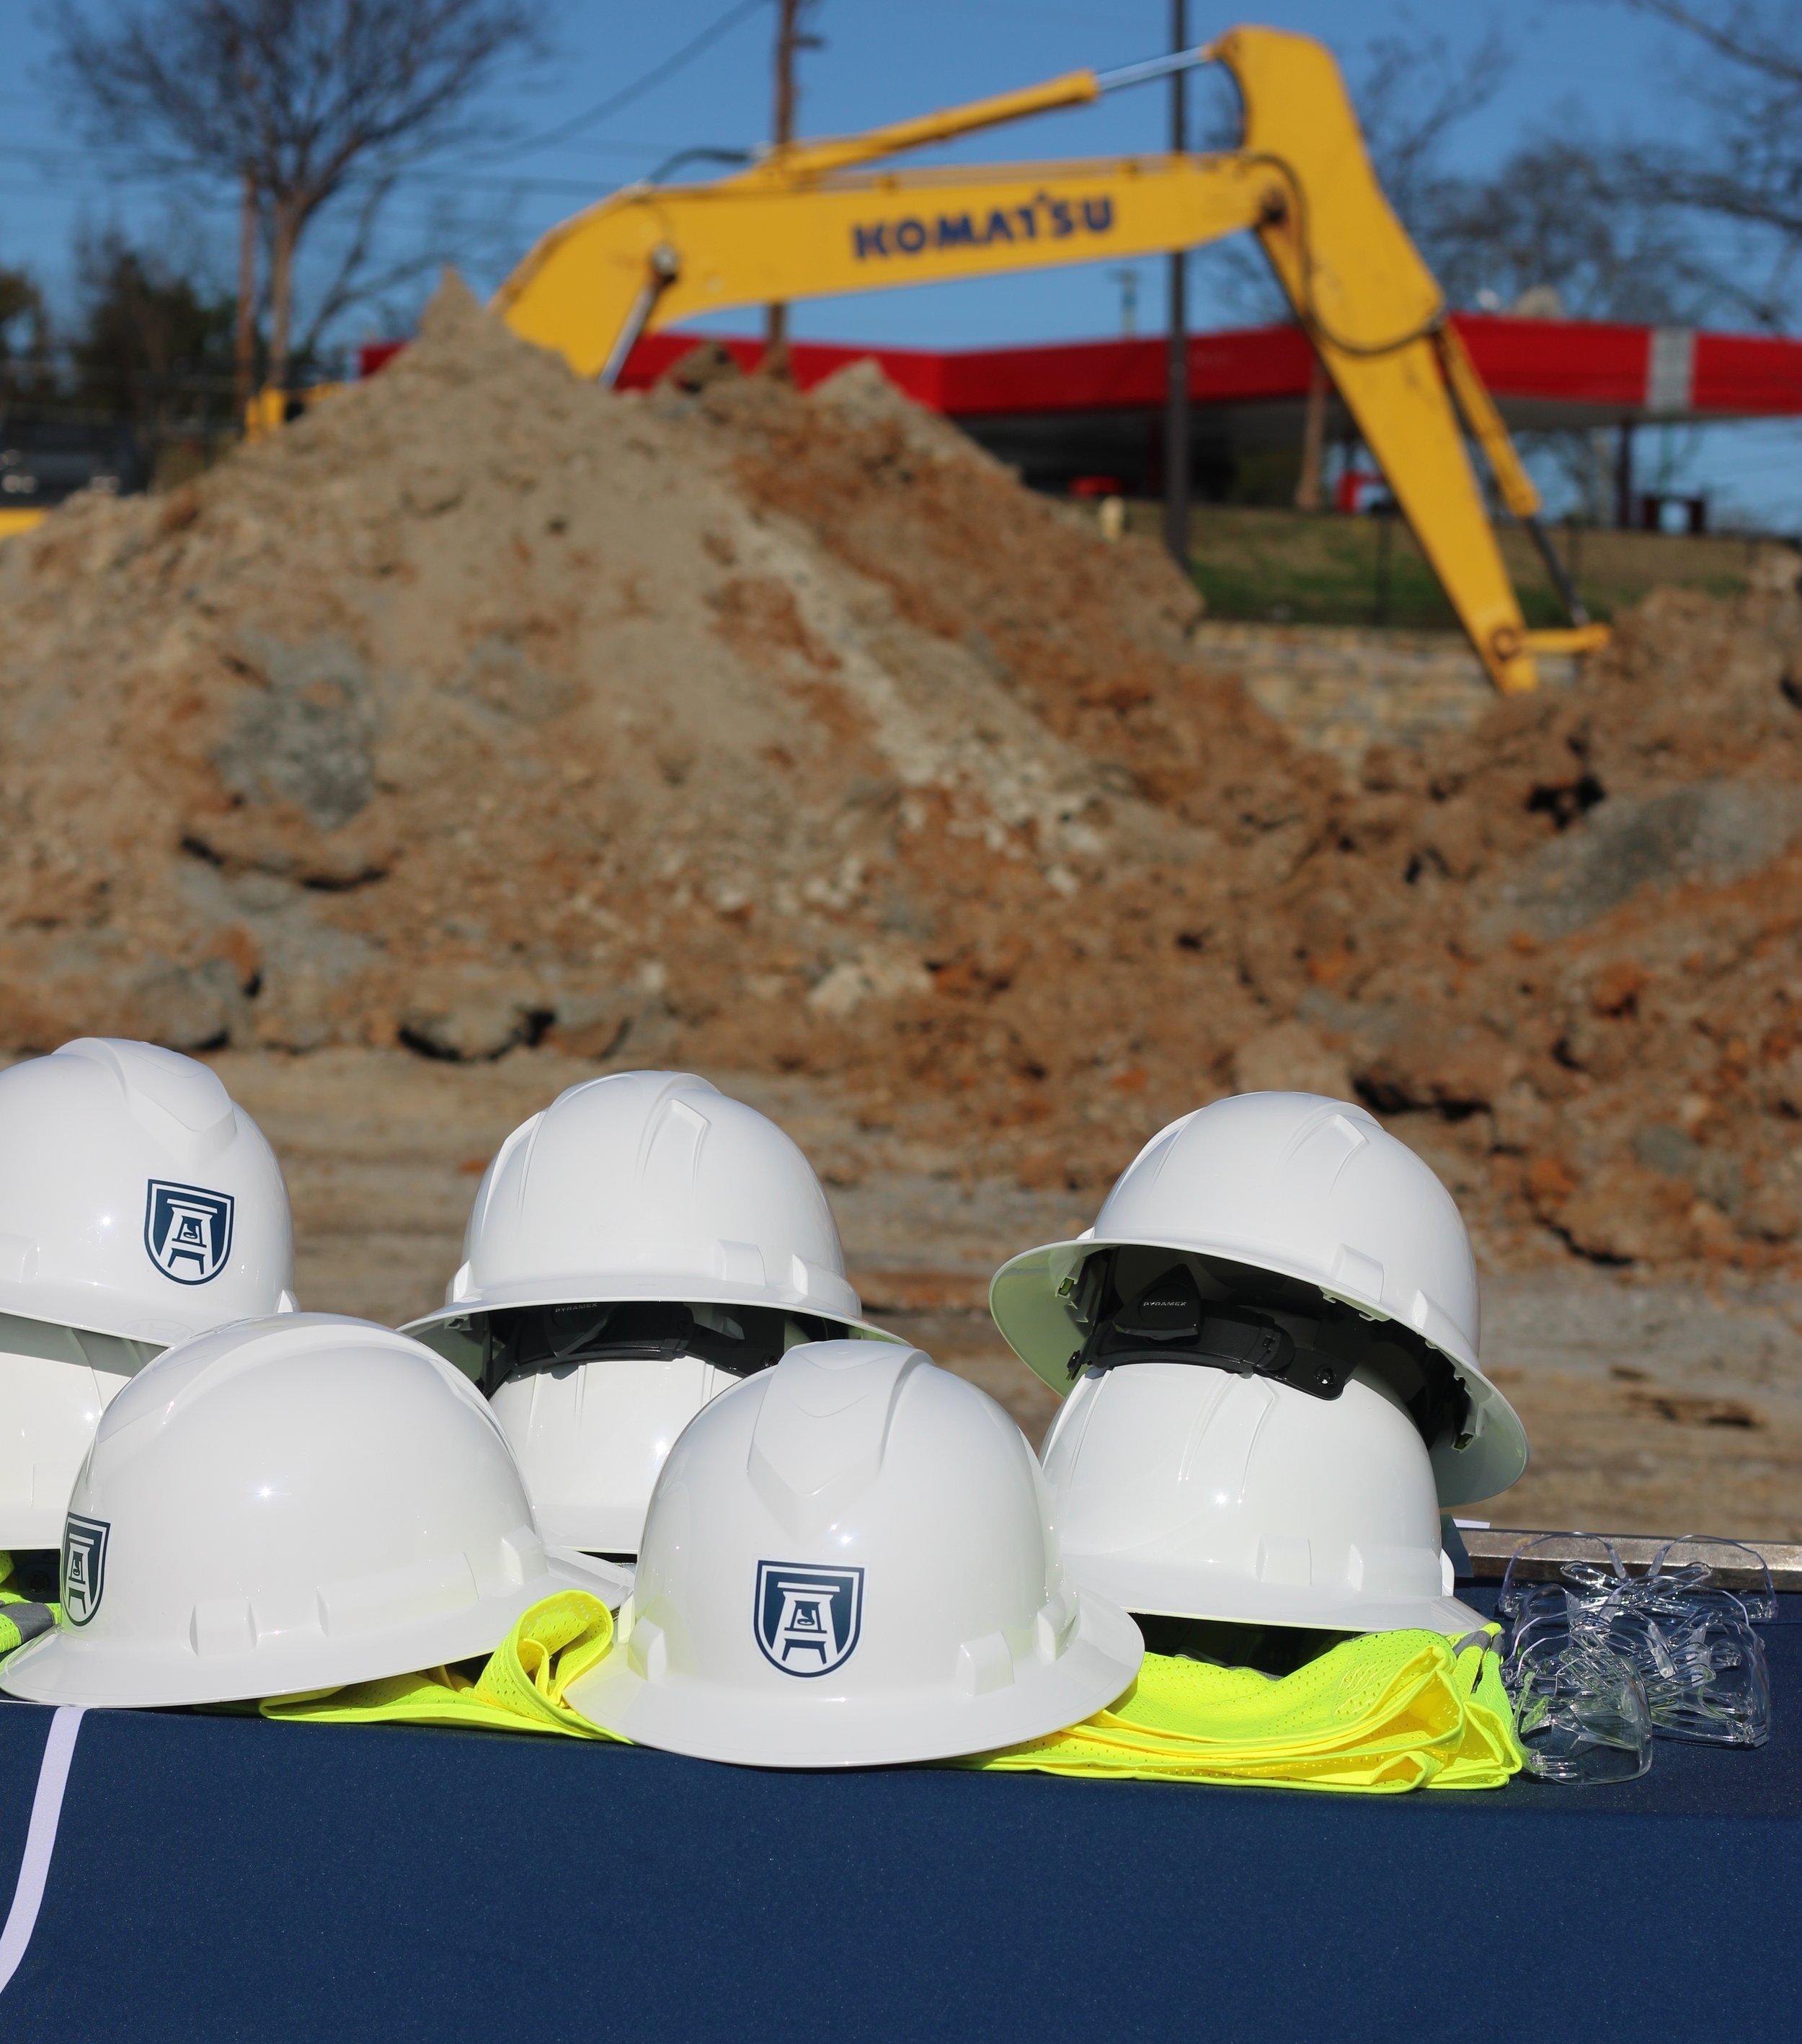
(244, 363)
(1313, 438)
(1176, 362)
(1624, 478)
(789, 40)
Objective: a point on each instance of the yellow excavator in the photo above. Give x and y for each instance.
(815, 218)
(811, 218)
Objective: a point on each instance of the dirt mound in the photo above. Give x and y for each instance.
(1575, 942)
(1559, 953)
(720, 724)
(484, 704)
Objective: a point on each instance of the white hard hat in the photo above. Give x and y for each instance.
(1303, 1241)
(55, 1383)
(136, 1197)
(139, 1205)
(291, 1503)
(590, 1436)
(651, 1185)
(1197, 1494)
(635, 1249)
(848, 1562)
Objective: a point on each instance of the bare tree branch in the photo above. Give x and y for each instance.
(1411, 93)
(1743, 36)
(1552, 217)
(1748, 173)
(350, 282)
(307, 99)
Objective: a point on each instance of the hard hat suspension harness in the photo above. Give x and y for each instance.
(1148, 1306)
(739, 1339)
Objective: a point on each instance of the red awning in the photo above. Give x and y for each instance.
(1591, 368)
(1543, 372)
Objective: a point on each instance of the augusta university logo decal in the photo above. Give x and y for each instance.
(807, 1620)
(187, 1230)
(84, 1567)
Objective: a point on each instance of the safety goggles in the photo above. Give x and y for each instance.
(1581, 1712)
(1690, 1643)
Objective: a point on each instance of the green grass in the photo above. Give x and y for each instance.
(1313, 568)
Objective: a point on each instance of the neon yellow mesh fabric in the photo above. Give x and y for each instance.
(1490, 1752)
(1388, 1711)
(520, 1689)
(26, 1624)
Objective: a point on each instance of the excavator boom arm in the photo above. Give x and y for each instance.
(804, 223)
(748, 243)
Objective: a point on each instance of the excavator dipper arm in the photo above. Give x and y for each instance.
(809, 221)
(1376, 318)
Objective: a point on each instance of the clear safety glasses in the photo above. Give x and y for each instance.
(1580, 1711)
(1596, 1653)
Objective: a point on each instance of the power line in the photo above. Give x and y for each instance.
(77, 175)
(94, 169)
(741, 11)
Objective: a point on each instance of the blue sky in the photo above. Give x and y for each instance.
(1577, 65)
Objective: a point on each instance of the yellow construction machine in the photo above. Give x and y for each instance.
(815, 218)
(811, 219)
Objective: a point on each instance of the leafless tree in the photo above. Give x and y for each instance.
(1412, 92)
(1744, 175)
(24, 336)
(1707, 227)
(302, 102)
(1553, 218)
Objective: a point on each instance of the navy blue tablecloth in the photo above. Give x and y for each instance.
(224, 1878)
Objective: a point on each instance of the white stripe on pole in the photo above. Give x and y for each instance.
(41, 1839)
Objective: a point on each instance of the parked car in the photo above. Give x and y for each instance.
(43, 461)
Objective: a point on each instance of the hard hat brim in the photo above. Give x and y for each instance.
(32, 1527)
(1035, 1320)
(1165, 1590)
(64, 1666)
(50, 1402)
(706, 1722)
(653, 1290)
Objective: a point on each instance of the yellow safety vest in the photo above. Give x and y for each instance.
(1381, 1713)
(520, 1689)
(28, 1619)
(1386, 1712)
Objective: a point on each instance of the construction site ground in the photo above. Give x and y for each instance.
(1663, 1406)
(484, 730)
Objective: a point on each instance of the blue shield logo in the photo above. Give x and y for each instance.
(84, 1567)
(807, 1620)
(187, 1230)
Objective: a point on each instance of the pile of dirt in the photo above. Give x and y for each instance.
(729, 726)
(483, 706)
(1573, 942)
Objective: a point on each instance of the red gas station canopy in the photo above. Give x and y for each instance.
(1074, 414)
(1544, 372)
